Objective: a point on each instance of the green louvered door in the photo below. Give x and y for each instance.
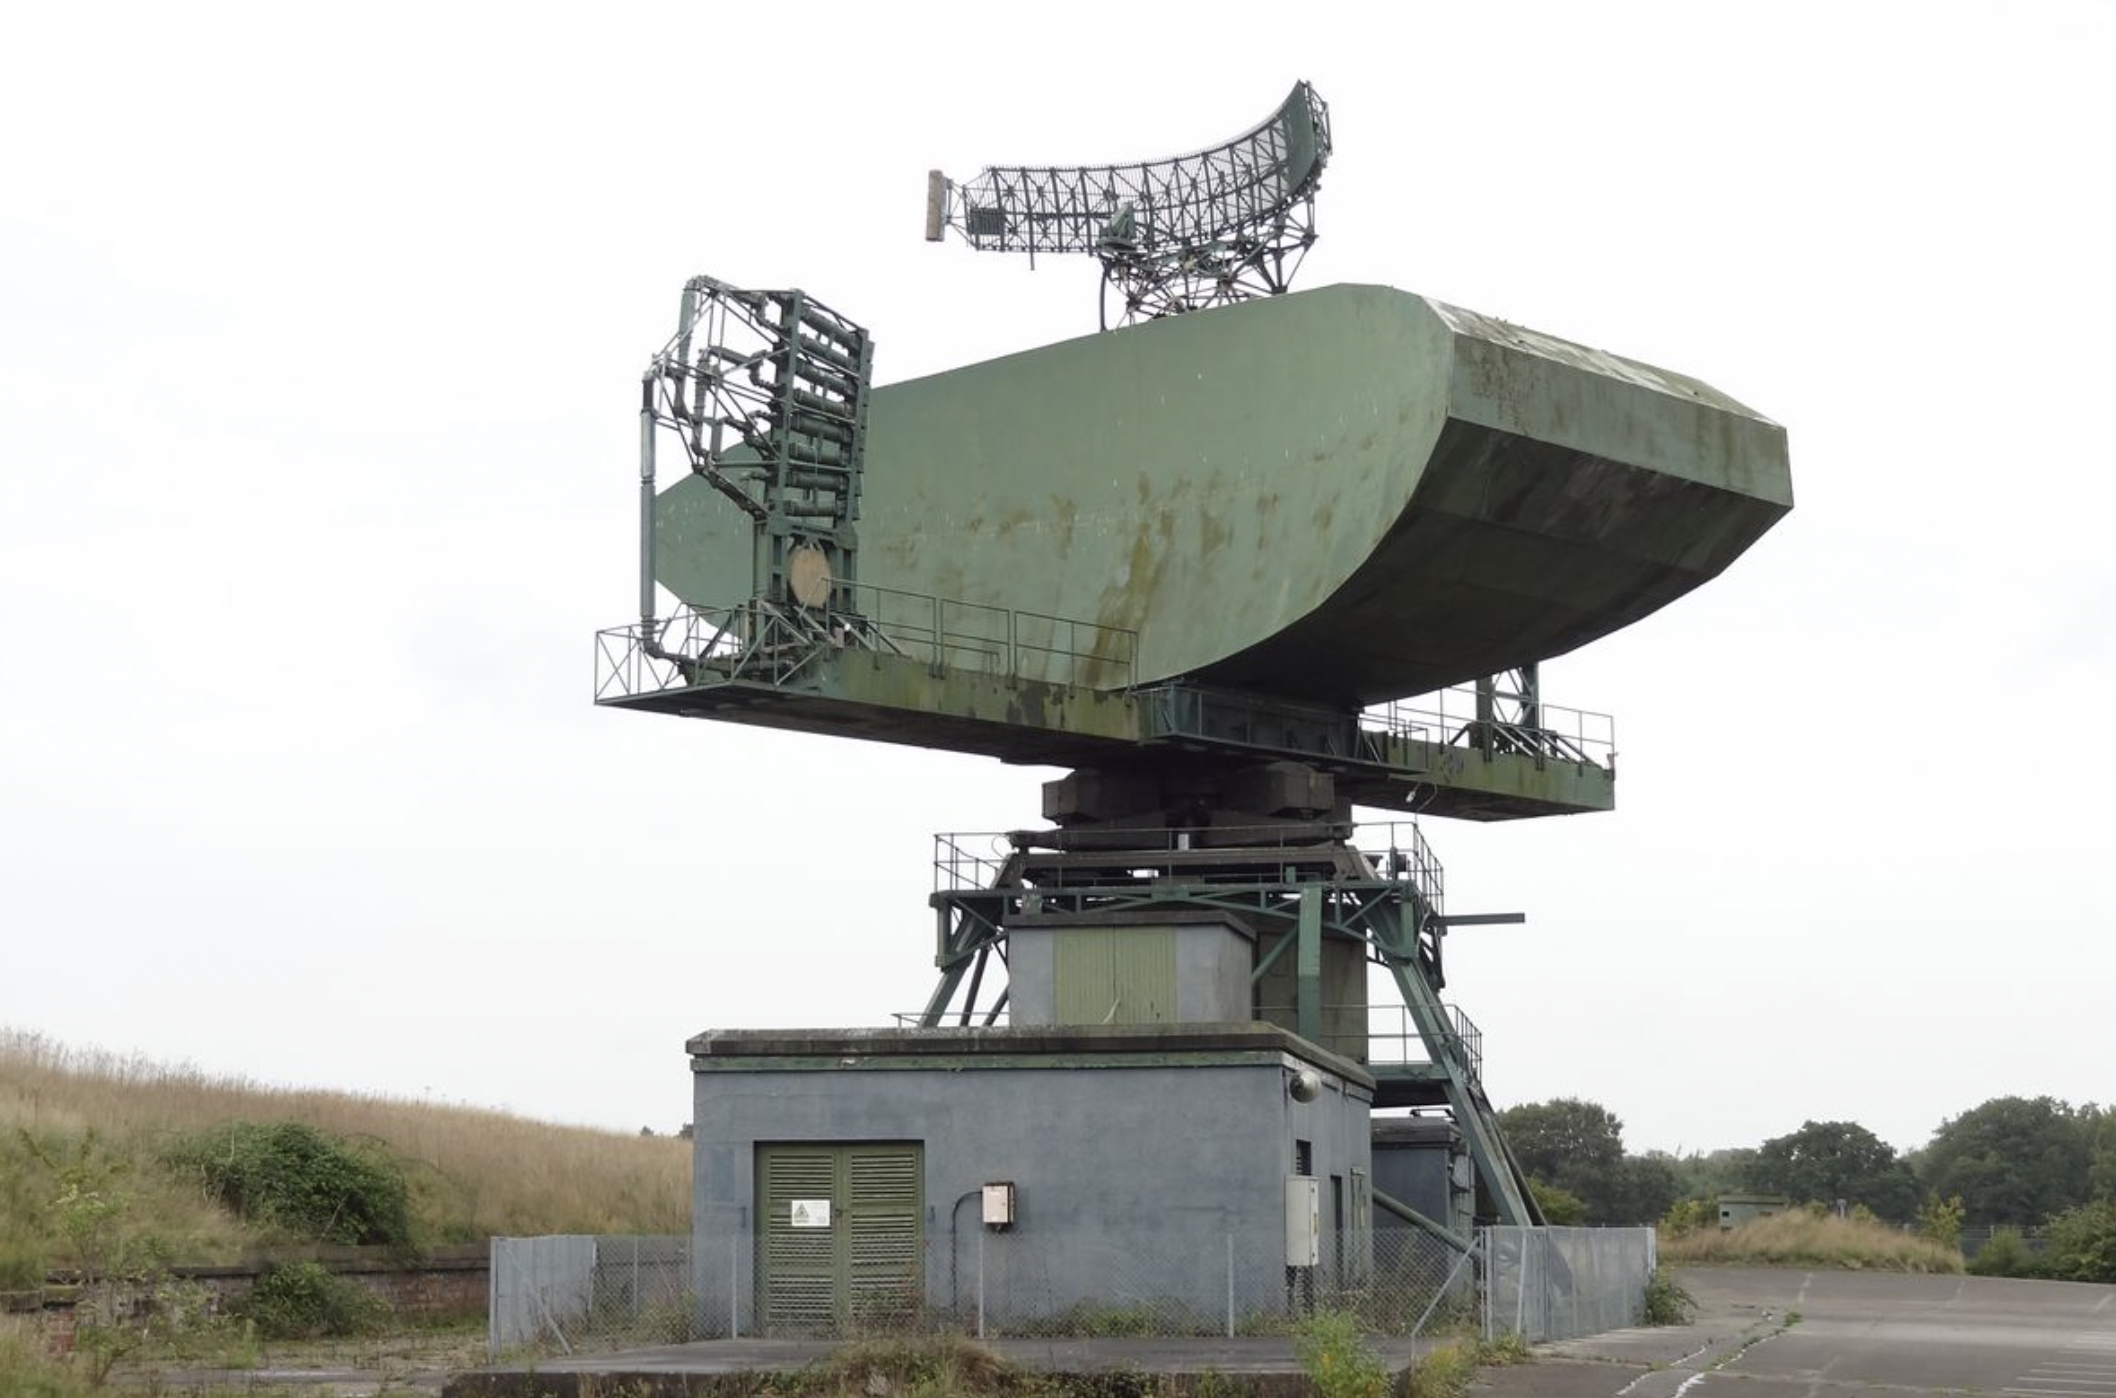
(841, 1242)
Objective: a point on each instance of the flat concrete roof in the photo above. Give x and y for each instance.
(1117, 1045)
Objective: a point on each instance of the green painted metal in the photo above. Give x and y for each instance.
(1388, 1204)
(1308, 965)
(853, 1263)
(914, 699)
(1396, 919)
(1499, 1175)
(1262, 521)
(972, 1062)
(1116, 975)
(1349, 494)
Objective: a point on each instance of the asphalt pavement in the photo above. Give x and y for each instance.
(1770, 1333)
(1757, 1333)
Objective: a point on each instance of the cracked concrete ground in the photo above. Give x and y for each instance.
(1772, 1333)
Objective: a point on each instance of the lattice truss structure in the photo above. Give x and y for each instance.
(768, 392)
(1206, 229)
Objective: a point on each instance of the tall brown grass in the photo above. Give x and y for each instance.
(474, 1173)
(1798, 1238)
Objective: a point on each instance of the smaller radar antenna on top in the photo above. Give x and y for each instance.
(1208, 229)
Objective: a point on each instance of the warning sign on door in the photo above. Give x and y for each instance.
(811, 1213)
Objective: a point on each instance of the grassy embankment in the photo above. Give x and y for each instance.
(1798, 1238)
(472, 1173)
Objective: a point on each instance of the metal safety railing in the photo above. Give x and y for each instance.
(1385, 1034)
(1386, 1031)
(1393, 1037)
(760, 641)
(1391, 850)
(1459, 718)
(967, 861)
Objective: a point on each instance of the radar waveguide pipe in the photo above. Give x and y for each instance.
(649, 621)
(1218, 226)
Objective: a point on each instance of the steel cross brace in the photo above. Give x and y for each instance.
(971, 928)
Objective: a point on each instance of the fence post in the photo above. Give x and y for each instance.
(1521, 1285)
(980, 1283)
(1488, 1273)
(492, 1296)
(734, 1287)
(1230, 1286)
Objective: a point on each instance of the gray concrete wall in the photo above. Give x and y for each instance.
(1422, 1164)
(1131, 1176)
(1213, 964)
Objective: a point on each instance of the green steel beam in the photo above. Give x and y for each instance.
(1375, 912)
(1308, 966)
(1391, 1205)
(906, 699)
(1497, 1171)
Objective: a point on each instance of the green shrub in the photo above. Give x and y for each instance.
(299, 1179)
(2082, 1243)
(934, 1366)
(1448, 1369)
(2004, 1254)
(1687, 1216)
(1667, 1303)
(1331, 1347)
(305, 1301)
(1940, 1220)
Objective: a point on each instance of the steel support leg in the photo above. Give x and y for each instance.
(1496, 1168)
(1307, 983)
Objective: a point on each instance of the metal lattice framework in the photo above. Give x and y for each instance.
(768, 392)
(1205, 229)
(1296, 885)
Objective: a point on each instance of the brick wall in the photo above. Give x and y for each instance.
(444, 1284)
(53, 1310)
(447, 1283)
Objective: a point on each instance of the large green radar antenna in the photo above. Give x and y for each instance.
(1241, 570)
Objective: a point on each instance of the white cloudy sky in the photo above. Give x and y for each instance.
(319, 340)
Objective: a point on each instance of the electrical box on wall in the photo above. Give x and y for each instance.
(999, 1204)
(1303, 1221)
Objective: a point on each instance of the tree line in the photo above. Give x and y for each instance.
(2012, 1162)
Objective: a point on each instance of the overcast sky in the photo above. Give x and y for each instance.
(320, 334)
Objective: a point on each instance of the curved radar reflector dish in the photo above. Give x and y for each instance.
(1209, 228)
(1350, 495)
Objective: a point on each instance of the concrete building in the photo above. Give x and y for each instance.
(846, 1178)
(1419, 1161)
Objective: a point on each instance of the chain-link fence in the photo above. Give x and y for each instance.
(1192, 1282)
(1561, 1283)
(574, 1293)
(569, 1292)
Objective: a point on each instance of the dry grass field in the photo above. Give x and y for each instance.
(1798, 1238)
(473, 1173)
